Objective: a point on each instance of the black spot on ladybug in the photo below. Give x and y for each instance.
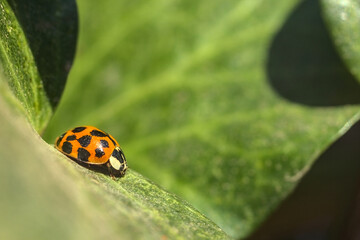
(59, 139)
(84, 140)
(104, 143)
(83, 154)
(70, 138)
(99, 152)
(67, 147)
(78, 129)
(98, 133)
(112, 140)
(116, 154)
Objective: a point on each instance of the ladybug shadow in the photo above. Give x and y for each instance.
(100, 168)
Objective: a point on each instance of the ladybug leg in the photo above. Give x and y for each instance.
(110, 172)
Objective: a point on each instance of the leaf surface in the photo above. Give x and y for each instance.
(343, 20)
(46, 194)
(192, 92)
(37, 46)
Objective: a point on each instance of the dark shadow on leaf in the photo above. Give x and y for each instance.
(303, 65)
(325, 204)
(51, 28)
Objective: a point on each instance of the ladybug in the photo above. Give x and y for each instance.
(91, 147)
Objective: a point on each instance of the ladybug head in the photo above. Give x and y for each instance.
(118, 164)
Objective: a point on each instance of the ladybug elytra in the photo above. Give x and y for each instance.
(90, 145)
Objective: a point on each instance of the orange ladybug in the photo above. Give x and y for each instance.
(90, 145)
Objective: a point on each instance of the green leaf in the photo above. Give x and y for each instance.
(37, 45)
(190, 91)
(325, 203)
(45, 194)
(343, 19)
